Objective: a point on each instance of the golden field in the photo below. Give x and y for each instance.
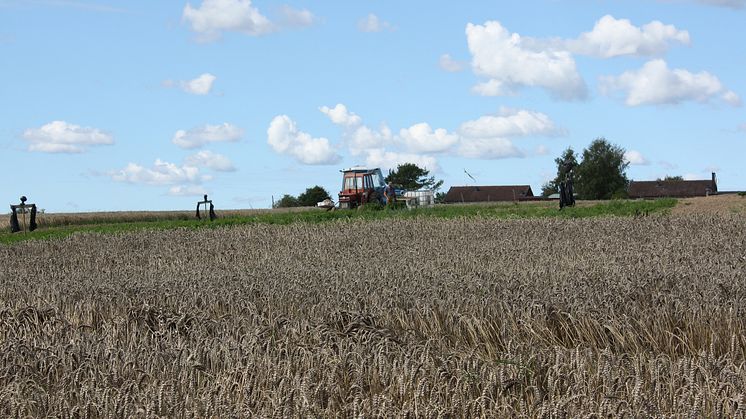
(467, 317)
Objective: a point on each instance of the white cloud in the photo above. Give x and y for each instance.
(635, 158)
(510, 61)
(199, 86)
(298, 18)
(389, 160)
(542, 150)
(285, 138)
(509, 123)
(339, 115)
(613, 37)
(655, 84)
(213, 17)
(161, 173)
(63, 137)
(449, 64)
(372, 23)
(210, 160)
(199, 136)
(421, 138)
(187, 190)
(667, 165)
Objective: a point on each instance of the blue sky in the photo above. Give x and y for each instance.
(125, 105)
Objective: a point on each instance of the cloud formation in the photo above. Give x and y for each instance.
(635, 158)
(656, 84)
(210, 160)
(212, 17)
(199, 136)
(509, 62)
(284, 137)
(732, 4)
(161, 173)
(63, 137)
(613, 37)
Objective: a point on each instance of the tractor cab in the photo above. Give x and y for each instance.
(360, 186)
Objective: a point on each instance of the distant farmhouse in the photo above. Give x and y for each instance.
(672, 188)
(463, 194)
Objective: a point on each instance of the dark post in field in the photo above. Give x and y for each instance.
(210, 209)
(23, 208)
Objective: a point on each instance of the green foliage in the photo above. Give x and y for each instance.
(742, 194)
(440, 197)
(667, 178)
(411, 177)
(512, 210)
(312, 196)
(287, 201)
(601, 174)
(566, 162)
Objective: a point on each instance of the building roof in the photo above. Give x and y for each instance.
(487, 193)
(671, 188)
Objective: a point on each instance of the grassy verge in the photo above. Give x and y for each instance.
(522, 210)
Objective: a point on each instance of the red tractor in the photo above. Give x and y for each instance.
(361, 186)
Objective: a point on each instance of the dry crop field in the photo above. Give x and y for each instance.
(465, 317)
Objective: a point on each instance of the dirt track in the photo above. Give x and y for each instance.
(717, 204)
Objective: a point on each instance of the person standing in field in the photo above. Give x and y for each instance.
(390, 194)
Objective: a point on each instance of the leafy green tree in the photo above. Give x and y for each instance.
(602, 173)
(412, 177)
(287, 201)
(312, 196)
(667, 178)
(566, 162)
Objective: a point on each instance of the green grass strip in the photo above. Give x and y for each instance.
(622, 208)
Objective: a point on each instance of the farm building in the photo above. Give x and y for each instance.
(673, 188)
(462, 194)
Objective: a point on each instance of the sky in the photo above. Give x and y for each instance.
(143, 105)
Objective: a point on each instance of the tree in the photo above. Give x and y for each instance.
(566, 162)
(667, 178)
(601, 174)
(287, 201)
(412, 177)
(312, 196)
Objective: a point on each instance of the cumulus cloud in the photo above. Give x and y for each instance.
(421, 138)
(63, 137)
(212, 17)
(635, 158)
(161, 173)
(339, 115)
(509, 62)
(509, 123)
(210, 160)
(656, 84)
(199, 136)
(391, 159)
(199, 86)
(372, 23)
(357, 136)
(490, 136)
(284, 137)
(613, 37)
(449, 64)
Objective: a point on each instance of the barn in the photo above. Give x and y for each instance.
(464, 194)
(673, 188)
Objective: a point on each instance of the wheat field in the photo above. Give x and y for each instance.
(429, 318)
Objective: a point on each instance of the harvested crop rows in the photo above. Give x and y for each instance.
(466, 317)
